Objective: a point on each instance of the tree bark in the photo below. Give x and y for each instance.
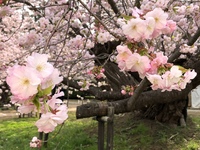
(146, 99)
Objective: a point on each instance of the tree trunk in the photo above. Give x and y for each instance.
(170, 113)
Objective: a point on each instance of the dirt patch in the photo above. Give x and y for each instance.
(194, 112)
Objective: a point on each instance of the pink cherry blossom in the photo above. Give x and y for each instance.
(149, 29)
(27, 108)
(166, 83)
(46, 124)
(84, 85)
(171, 80)
(158, 61)
(134, 29)
(175, 72)
(43, 22)
(188, 49)
(53, 79)
(103, 37)
(55, 100)
(23, 81)
(155, 80)
(160, 17)
(35, 142)
(189, 75)
(100, 75)
(40, 64)
(49, 121)
(29, 39)
(123, 92)
(123, 53)
(138, 63)
(170, 27)
(61, 114)
(122, 65)
(15, 99)
(136, 12)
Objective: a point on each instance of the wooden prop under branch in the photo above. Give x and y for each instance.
(100, 108)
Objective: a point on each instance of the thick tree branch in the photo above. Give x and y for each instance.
(114, 7)
(141, 101)
(145, 99)
(193, 39)
(137, 92)
(137, 3)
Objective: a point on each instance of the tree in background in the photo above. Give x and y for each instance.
(140, 55)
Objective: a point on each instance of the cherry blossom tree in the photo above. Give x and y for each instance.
(135, 54)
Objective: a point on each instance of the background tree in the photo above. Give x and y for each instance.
(82, 39)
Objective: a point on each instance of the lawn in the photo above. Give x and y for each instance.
(130, 133)
(17, 133)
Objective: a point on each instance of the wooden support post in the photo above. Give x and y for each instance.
(40, 135)
(46, 135)
(110, 128)
(100, 134)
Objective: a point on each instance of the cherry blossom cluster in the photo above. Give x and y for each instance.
(145, 58)
(154, 66)
(104, 36)
(35, 143)
(176, 78)
(142, 26)
(31, 86)
(93, 74)
(84, 85)
(97, 72)
(127, 90)
(188, 49)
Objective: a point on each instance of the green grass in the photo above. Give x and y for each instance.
(17, 134)
(129, 134)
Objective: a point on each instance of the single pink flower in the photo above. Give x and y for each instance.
(138, 63)
(160, 17)
(46, 124)
(55, 100)
(189, 75)
(53, 79)
(149, 28)
(122, 66)
(170, 27)
(123, 53)
(40, 64)
(155, 80)
(157, 62)
(23, 81)
(134, 29)
(136, 12)
(123, 92)
(27, 108)
(50, 120)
